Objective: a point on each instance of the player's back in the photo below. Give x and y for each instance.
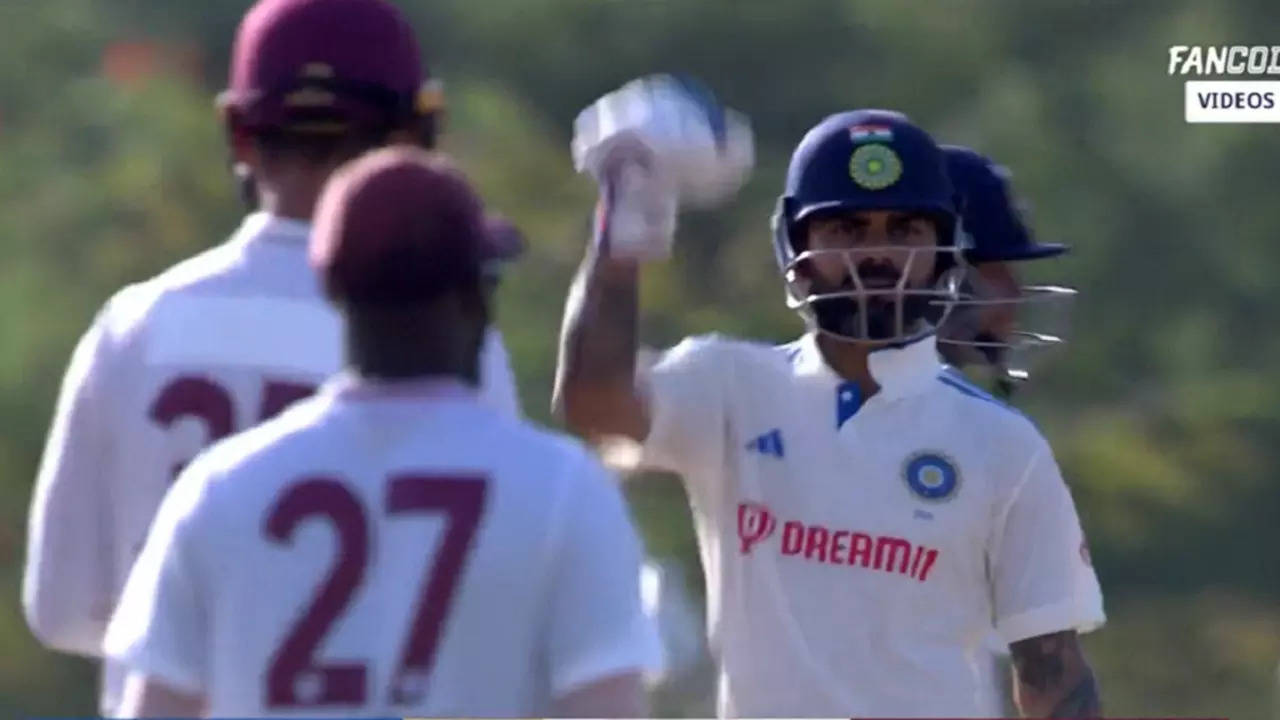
(385, 553)
(212, 346)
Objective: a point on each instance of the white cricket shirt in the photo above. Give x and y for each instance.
(858, 554)
(212, 346)
(388, 549)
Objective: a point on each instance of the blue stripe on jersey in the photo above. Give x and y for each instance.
(954, 379)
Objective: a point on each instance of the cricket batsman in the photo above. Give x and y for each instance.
(865, 516)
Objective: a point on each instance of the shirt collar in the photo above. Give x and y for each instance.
(263, 226)
(899, 371)
(347, 385)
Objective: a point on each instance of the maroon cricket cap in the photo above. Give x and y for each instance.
(325, 65)
(401, 225)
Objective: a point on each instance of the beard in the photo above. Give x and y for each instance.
(844, 315)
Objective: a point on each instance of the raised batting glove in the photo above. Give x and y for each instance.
(654, 145)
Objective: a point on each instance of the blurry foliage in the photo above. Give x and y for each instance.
(1164, 410)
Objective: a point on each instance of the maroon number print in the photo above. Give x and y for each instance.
(462, 500)
(277, 396)
(294, 678)
(293, 667)
(198, 397)
(206, 400)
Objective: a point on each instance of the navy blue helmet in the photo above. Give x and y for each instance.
(989, 212)
(865, 160)
(998, 322)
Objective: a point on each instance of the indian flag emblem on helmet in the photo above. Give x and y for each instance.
(870, 133)
(875, 166)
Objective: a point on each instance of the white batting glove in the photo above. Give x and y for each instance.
(654, 145)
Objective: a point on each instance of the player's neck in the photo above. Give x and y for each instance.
(292, 203)
(849, 360)
(403, 345)
(375, 364)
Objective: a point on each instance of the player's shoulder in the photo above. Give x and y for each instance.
(981, 410)
(573, 481)
(531, 445)
(214, 490)
(717, 350)
(294, 433)
(130, 308)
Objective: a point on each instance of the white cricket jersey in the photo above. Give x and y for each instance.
(858, 554)
(388, 549)
(214, 345)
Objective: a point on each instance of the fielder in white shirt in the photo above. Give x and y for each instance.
(392, 546)
(866, 518)
(223, 340)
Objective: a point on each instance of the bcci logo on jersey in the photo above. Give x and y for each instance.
(1228, 101)
(931, 476)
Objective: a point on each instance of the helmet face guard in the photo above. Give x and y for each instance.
(871, 305)
(1007, 329)
(1001, 324)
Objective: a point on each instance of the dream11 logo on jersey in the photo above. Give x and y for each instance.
(1229, 101)
(755, 523)
(817, 543)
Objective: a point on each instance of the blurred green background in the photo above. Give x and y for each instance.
(1165, 410)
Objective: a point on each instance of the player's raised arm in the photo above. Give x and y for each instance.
(595, 389)
(653, 145)
(66, 589)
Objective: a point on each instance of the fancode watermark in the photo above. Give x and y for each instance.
(1229, 101)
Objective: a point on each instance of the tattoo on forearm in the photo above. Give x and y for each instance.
(602, 337)
(1054, 680)
(595, 373)
(1039, 661)
(1082, 702)
(616, 311)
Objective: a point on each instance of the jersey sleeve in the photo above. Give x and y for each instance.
(598, 627)
(67, 588)
(160, 626)
(497, 380)
(686, 403)
(1042, 578)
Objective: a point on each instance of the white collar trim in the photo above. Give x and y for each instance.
(899, 371)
